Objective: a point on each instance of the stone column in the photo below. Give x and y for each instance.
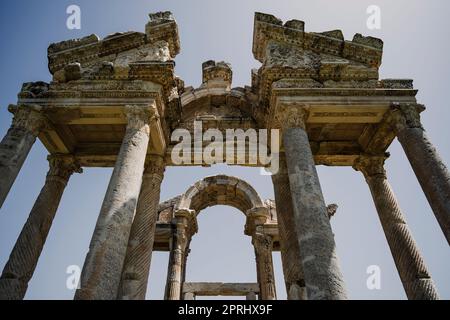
(102, 269)
(323, 278)
(140, 245)
(185, 227)
(263, 245)
(15, 146)
(413, 272)
(290, 251)
(428, 166)
(24, 257)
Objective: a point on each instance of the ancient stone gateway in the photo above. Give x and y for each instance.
(115, 102)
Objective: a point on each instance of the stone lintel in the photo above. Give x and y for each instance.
(220, 289)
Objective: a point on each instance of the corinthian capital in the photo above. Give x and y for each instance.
(370, 166)
(406, 115)
(29, 118)
(140, 116)
(292, 115)
(262, 242)
(63, 166)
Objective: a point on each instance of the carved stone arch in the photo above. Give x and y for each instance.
(221, 190)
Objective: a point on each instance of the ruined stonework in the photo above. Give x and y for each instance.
(114, 102)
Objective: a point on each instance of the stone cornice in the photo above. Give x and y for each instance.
(162, 27)
(366, 50)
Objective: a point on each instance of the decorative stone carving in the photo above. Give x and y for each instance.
(406, 116)
(292, 116)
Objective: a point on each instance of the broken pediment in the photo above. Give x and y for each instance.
(112, 57)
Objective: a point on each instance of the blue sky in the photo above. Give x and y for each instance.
(416, 46)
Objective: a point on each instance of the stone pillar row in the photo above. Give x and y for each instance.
(102, 270)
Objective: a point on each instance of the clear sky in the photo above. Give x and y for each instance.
(416, 46)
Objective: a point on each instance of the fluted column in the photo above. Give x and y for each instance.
(411, 267)
(15, 146)
(185, 228)
(102, 269)
(140, 245)
(24, 257)
(428, 166)
(263, 252)
(323, 278)
(290, 251)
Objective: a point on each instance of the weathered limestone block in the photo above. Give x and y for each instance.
(27, 123)
(24, 257)
(103, 267)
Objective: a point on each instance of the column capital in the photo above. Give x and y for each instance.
(406, 115)
(28, 117)
(62, 166)
(291, 115)
(256, 218)
(138, 116)
(370, 165)
(262, 241)
(186, 222)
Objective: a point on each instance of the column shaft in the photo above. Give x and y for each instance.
(16, 145)
(431, 173)
(428, 166)
(264, 264)
(140, 245)
(323, 278)
(175, 267)
(411, 267)
(24, 257)
(102, 269)
(290, 251)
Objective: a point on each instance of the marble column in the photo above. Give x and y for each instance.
(323, 278)
(24, 257)
(140, 244)
(428, 166)
(290, 251)
(263, 245)
(104, 262)
(185, 227)
(411, 267)
(15, 146)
